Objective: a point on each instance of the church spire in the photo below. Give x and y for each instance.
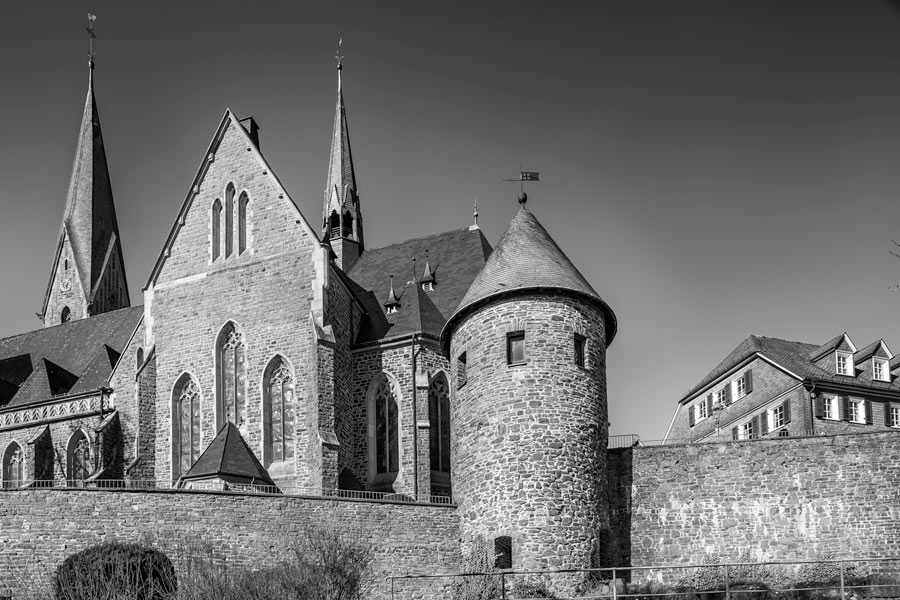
(88, 275)
(341, 217)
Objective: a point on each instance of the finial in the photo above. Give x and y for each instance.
(393, 304)
(523, 198)
(338, 55)
(475, 212)
(524, 176)
(428, 277)
(90, 29)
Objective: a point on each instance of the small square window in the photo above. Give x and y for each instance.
(748, 430)
(461, 376)
(580, 343)
(515, 348)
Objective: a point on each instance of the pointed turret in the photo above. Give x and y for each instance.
(88, 275)
(341, 217)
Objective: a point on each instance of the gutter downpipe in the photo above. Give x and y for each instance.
(415, 422)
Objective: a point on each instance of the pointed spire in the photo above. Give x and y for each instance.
(475, 213)
(428, 277)
(392, 304)
(88, 265)
(341, 215)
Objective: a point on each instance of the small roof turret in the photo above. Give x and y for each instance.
(526, 259)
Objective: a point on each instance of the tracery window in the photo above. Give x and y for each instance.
(78, 459)
(229, 219)
(242, 222)
(278, 412)
(216, 229)
(13, 466)
(231, 378)
(185, 425)
(439, 420)
(384, 426)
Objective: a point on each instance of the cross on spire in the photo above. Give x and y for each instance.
(90, 29)
(338, 55)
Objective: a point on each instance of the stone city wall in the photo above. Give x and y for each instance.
(784, 499)
(40, 528)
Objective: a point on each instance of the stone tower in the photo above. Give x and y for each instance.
(341, 219)
(88, 274)
(529, 423)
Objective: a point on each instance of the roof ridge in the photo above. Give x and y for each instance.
(406, 241)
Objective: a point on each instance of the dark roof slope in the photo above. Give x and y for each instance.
(796, 357)
(46, 359)
(229, 457)
(527, 258)
(455, 258)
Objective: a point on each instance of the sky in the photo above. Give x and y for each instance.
(714, 169)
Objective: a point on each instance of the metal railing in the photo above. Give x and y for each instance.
(788, 580)
(228, 488)
(633, 440)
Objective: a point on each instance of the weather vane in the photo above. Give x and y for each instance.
(90, 29)
(338, 55)
(524, 176)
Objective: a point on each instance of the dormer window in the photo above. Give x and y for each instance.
(844, 363)
(428, 286)
(880, 369)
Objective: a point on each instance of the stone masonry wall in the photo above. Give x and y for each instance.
(267, 291)
(42, 527)
(781, 499)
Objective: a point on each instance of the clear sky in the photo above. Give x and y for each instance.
(715, 169)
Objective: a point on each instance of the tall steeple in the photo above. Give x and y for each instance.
(341, 217)
(88, 275)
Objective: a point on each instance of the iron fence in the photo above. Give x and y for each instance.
(224, 487)
(844, 579)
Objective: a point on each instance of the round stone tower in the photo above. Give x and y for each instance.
(527, 347)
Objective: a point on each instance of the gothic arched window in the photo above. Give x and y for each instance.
(347, 225)
(384, 427)
(231, 376)
(439, 421)
(13, 466)
(278, 412)
(229, 219)
(243, 201)
(139, 358)
(65, 315)
(78, 459)
(185, 425)
(216, 229)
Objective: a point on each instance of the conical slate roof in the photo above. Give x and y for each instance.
(526, 258)
(90, 215)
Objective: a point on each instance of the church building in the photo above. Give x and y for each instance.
(275, 354)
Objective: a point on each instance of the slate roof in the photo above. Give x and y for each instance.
(74, 357)
(229, 457)
(796, 357)
(455, 258)
(527, 258)
(90, 216)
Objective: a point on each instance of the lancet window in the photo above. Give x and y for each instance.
(231, 376)
(278, 412)
(185, 425)
(13, 466)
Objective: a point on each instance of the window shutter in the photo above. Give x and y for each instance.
(691, 415)
(748, 378)
(755, 426)
(709, 408)
(820, 407)
(787, 411)
(887, 414)
(868, 405)
(734, 433)
(728, 394)
(763, 423)
(845, 407)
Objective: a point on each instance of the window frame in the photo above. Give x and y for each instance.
(858, 406)
(462, 375)
(883, 365)
(831, 410)
(774, 415)
(512, 339)
(894, 412)
(848, 367)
